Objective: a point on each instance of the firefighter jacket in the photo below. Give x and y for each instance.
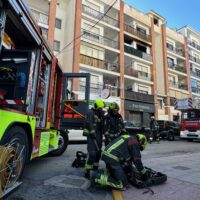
(124, 149)
(113, 126)
(94, 124)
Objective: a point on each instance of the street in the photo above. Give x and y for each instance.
(178, 159)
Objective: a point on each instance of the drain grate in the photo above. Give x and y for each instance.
(181, 168)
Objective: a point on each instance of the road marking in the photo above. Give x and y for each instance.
(117, 195)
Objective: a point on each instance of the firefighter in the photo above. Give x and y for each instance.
(113, 123)
(154, 130)
(124, 149)
(94, 132)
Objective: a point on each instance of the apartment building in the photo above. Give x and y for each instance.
(133, 56)
(193, 44)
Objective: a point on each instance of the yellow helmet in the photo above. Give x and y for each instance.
(142, 141)
(99, 104)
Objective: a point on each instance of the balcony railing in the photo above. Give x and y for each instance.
(195, 73)
(40, 17)
(97, 89)
(138, 74)
(194, 59)
(178, 85)
(193, 44)
(196, 90)
(175, 50)
(137, 96)
(98, 15)
(177, 68)
(137, 33)
(100, 39)
(87, 60)
(138, 53)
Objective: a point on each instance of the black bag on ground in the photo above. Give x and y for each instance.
(156, 178)
(80, 159)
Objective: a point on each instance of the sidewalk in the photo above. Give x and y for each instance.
(183, 179)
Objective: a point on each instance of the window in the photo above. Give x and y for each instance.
(92, 52)
(156, 21)
(141, 30)
(56, 45)
(170, 46)
(170, 62)
(135, 118)
(143, 89)
(194, 83)
(44, 32)
(58, 23)
(142, 48)
(160, 104)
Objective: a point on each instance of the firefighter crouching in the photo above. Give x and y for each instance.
(113, 124)
(94, 132)
(124, 149)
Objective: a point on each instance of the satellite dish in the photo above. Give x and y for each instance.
(105, 93)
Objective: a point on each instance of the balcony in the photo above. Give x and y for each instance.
(100, 16)
(177, 68)
(193, 44)
(40, 17)
(175, 50)
(96, 89)
(138, 53)
(194, 59)
(137, 74)
(137, 33)
(100, 39)
(181, 86)
(87, 60)
(196, 90)
(196, 74)
(136, 96)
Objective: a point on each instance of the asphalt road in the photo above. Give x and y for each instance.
(40, 176)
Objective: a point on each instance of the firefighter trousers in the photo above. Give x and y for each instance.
(94, 153)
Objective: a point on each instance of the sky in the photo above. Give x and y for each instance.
(177, 13)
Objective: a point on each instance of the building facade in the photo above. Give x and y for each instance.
(143, 64)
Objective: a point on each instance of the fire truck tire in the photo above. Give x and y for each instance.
(62, 144)
(17, 138)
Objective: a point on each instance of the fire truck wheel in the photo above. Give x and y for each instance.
(16, 137)
(62, 144)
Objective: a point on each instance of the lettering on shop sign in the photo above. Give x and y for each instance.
(140, 107)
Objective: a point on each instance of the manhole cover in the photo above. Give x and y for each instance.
(181, 168)
(69, 181)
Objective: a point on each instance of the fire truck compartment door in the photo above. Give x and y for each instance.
(75, 100)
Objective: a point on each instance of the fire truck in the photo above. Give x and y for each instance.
(190, 118)
(37, 103)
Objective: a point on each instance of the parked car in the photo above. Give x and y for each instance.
(168, 129)
(135, 128)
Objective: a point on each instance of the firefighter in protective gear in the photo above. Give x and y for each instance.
(113, 124)
(94, 132)
(124, 149)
